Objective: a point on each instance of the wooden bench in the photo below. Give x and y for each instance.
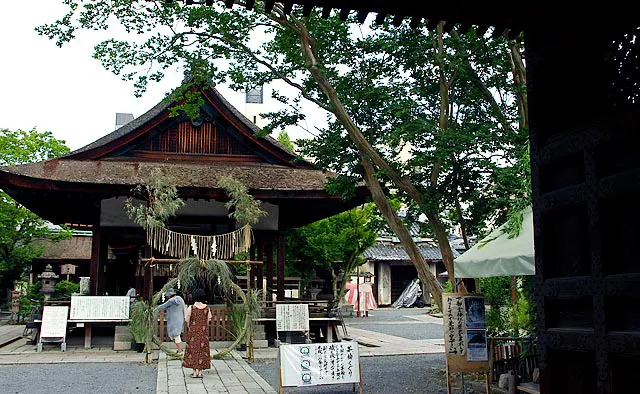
(531, 388)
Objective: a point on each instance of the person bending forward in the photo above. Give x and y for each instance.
(174, 307)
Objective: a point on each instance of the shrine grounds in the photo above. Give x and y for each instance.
(403, 353)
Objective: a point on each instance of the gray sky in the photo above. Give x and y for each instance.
(64, 90)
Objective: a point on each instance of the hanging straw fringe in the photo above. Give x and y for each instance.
(182, 246)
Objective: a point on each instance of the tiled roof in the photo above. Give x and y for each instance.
(387, 252)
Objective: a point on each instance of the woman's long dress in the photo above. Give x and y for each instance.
(197, 354)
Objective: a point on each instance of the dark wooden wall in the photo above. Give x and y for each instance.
(586, 188)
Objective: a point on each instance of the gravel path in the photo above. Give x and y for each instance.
(68, 378)
(381, 375)
(395, 322)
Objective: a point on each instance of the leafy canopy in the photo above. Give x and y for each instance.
(18, 225)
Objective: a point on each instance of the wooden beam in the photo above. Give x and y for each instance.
(155, 261)
(281, 254)
(229, 3)
(249, 4)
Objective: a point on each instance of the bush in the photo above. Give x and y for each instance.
(64, 289)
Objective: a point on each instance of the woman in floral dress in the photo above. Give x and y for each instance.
(198, 315)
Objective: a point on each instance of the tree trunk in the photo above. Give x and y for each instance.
(398, 227)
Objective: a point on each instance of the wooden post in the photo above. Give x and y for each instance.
(448, 377)
(268, 259)
(99, 255)
(280, 293)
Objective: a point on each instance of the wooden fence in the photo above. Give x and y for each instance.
(219, 327)
(512, 354)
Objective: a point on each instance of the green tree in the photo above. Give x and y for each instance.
(351, 75)
(285, 140)
(336, 243)
(18, 225)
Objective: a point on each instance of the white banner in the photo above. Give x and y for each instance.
(455, 336)
(100, 307)
(292, 317)
(319, 364)
(54, 322)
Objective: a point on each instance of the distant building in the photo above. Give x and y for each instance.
(392, 268)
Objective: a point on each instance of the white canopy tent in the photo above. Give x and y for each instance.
(499, 255)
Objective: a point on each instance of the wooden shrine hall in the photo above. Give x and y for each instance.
(87, 189)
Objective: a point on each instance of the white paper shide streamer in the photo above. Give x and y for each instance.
(182, 246)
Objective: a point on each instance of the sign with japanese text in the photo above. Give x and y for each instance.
(100, 307)
(54, 322)
(292, 317)
(319, 364)
(455, 339)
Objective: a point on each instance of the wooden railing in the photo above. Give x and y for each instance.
(512, 354)
(219, 327)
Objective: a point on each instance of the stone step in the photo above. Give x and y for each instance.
(122, 345)
(260, 336)
(260, 344)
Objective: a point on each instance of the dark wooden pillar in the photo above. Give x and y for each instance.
(268, 260)
(281, 254)
(259, 268)
(147, 292)
(99, 255)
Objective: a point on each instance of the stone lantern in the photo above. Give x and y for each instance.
(48, 279)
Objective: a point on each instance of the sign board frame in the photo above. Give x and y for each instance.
(54, 326)
(97, 308)
(475, 322)
(305, 360)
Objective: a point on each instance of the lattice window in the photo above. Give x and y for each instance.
(207, 139)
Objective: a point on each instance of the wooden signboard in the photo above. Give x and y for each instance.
(292, 317)
(54, 326)
(100, 307)
(465, 335)
(319, 364)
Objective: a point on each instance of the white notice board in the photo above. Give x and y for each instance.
(54, 322)
(100, 307)
(319, 364)
(292, 317)
(455, 336)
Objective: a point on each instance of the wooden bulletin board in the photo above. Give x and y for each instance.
(465, 332)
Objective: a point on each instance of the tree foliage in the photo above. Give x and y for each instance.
(335, 244)
(18, 225)
(455, 102)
